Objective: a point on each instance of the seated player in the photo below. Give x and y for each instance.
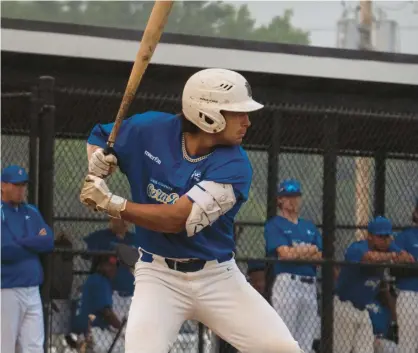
(96, 299)
(123, 282)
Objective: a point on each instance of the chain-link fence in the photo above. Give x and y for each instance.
(352, 164)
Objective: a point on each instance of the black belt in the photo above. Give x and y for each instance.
(191, 265)
(309, 280)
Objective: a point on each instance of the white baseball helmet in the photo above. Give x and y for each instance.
(209, 91)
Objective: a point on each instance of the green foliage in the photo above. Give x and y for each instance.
(202, 18)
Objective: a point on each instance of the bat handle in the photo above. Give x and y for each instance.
(109, 150)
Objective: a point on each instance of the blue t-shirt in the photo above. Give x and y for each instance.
(96, 296)
(360, 285)
(105, 239)
(279, 231)
(408, 241)
(380, 317)
(24, 235)
(149, 153)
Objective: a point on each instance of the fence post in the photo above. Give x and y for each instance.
(272, 180)
(46, 182)
(380, 182)
(330, 144)
(33, 147)
(273, 165)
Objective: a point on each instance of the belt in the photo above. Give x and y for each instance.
(309, 280)
(191, 265)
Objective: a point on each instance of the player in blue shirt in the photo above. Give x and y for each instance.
(407, 303)
(106, 240)
(24, 236)
(290, 237)
(96, 299)
(358, 286)
(189, 177)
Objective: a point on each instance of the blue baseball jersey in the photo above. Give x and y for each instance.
(279, 231)
(408, 241)
(24, 235)
(380, 317)
(105, 239)
(149, 152)
(360, 285)
(96, 296)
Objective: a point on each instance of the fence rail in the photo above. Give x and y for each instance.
(353, 164)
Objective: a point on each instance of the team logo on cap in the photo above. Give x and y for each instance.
(20, 172)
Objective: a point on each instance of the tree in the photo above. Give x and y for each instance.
(201, 18)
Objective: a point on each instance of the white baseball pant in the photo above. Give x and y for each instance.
(218, 296)
(22, 324)
(382, 345)
(353, 330)
(407, 313)
(296, 303)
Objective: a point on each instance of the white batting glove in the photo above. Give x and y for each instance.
(101, 165)
(96, 195)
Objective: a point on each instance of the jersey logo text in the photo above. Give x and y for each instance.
(150, 156)
(161, 196)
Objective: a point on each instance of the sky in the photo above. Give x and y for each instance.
(321, 18)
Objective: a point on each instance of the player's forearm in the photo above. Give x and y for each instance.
(158, 218)
(377, 256)
(38, 244)
(297, 253)
(14, 253)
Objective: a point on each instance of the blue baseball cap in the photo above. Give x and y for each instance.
(380, 226)
(14, 174)
(289, 187)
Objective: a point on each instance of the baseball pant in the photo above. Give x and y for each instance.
(22, 324)
(382, 345)
(407, 313)
(353, 330)
(297, 305)
(218, 296)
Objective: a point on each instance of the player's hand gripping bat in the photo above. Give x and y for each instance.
(150, 39)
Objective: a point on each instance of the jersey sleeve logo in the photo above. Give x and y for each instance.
(196, 176)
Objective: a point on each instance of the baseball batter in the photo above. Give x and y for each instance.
(357, 286)
(407, 303)
(189, 177)
(287, 236)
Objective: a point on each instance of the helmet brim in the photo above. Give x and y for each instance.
(245, 107)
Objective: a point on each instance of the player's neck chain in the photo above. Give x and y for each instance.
(187, 157)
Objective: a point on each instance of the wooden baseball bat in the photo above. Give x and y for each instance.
(150, 39)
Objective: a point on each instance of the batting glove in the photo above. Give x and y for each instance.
(102, 165)
(96, 195)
